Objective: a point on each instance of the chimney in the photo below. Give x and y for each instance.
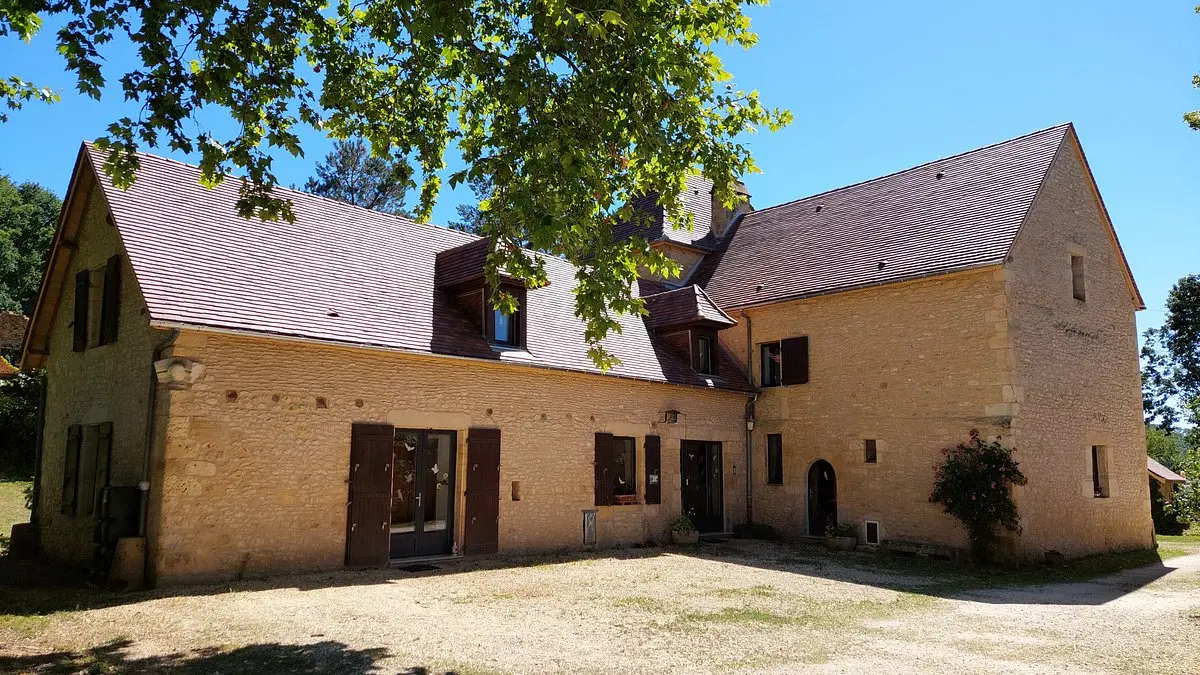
(723, 217)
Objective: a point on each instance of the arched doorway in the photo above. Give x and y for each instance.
(822, 497)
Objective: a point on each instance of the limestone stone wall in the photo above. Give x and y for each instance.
(107, 383)
(1077, 374)
(255, 470)
(914, 366)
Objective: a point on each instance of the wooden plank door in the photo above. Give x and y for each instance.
(481, 534)
(368, 514)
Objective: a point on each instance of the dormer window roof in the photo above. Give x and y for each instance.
(684, 308)
(460, 273)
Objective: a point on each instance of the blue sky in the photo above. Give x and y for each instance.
(875, 87)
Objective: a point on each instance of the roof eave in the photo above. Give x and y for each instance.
(997, 264)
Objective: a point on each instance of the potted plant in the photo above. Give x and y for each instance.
(683, 531)
(841, 537)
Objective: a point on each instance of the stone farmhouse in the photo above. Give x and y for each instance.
(231, 397)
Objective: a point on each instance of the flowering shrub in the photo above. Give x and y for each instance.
(973, 483)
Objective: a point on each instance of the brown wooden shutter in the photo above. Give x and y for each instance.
(104, 437)
(794, 354)
(82, 291)
(368, 514)
(71, 470)
(653, 470)
(110, 308)
(604, 469)
(481, 533)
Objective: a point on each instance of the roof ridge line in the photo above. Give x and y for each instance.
(444, 228)
(914, 167)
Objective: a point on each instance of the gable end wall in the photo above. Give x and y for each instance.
(108, 383)
(1077, 374)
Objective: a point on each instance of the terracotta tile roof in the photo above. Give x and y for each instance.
(1163, 472)
(12, 329)
(341, 273)
(683, 306)
(954, 213)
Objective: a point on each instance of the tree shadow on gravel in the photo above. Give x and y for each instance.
(319, 657)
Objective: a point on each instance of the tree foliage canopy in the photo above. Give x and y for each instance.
(28, 214)
(568, 108)
(1171, 363)
(350, 173)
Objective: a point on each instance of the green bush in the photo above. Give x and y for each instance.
(20, 398)
(1163, 515)
(974, 484)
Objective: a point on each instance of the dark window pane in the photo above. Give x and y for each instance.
(704, 349)
(771, 370)
(870, 451)
(872, 532)
(775, 459)
(625, 463)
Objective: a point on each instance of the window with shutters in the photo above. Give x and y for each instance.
(97, 305)
(784, 362)
(770, 372)
(775, 459)
(86, 468)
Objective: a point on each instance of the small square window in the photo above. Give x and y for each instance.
(1100, 471)
(775, 459)
(870, 451)
(871, 531)
(1078, 278)
(770, 368)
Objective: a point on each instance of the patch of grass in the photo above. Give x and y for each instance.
(1192, 536)
(743, 615)
(12, 508)
(760, 591)
(28, 626)
(640, 602)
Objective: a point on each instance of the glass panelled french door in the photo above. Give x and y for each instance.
(423, 492)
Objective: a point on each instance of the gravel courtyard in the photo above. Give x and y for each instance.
(738, 606)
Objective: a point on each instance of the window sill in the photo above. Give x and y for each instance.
(626, 500)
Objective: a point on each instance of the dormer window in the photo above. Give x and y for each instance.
(459, 273)
(688, 321)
